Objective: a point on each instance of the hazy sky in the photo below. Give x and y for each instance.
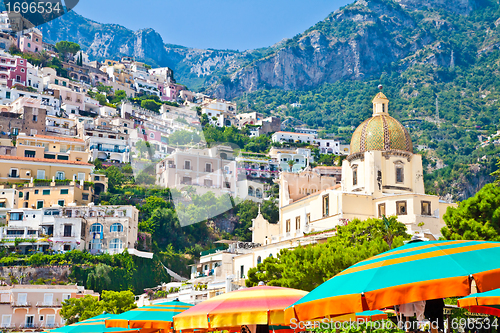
(218, 24)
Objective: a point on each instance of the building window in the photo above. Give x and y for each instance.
(39, 204)
(287, 225)
(116, 227)
(399, 174)
(242, 272)
(355, 176)
(40, 174)
(259, 260)
(401, 208)
(60, 203)
(326, 205)
(64, 191)
(308, 218)
(186, 180)
(116, 244)
(381, 210)
(187, 165)
(60, 175)
(81, 176)
(207, 182)
(227, 185)
(208, 167)
(426, 207)
(85, 197)
(297, 223)
(96, 228)
(29, 153)
(46, 192)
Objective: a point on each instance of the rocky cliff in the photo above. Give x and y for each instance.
(111, 41)
(356, 42)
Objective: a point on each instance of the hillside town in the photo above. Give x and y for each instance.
(73, 130)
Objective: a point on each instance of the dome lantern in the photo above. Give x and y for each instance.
(381, 131)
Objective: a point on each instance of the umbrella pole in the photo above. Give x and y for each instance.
(262, 329)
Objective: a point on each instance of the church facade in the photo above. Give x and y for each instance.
(381, 176)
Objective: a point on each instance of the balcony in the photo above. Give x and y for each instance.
(21, 305)
(7, 325)
(111, 150)
(48, 305)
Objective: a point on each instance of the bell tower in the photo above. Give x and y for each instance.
(380, 104)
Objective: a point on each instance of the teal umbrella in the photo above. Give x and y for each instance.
(155, 316)
(92, 325)
(417, 271)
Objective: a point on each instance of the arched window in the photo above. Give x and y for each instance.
(250, 191)
(60, 175)
(400, 176)
(97, 228)
(270, 255)
(116, 244)
(116, 227)
(259, 260)
(258, 193)
(354, 175)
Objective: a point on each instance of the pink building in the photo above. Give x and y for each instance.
(13, 70)
(31, 42)
(171, 91)
(36, 306)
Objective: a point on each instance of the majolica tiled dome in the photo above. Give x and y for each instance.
(381, 132)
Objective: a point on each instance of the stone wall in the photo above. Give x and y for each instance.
(25, 274)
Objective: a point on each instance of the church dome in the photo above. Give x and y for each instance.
(381, 132)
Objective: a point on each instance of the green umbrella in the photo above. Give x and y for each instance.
(92, 325)
(155, 316)
(417, 271)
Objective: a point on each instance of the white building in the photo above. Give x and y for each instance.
(292, 159)
(292, 137)
(222, 111)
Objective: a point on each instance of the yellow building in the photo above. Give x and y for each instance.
(15, 169)
(381, 176)
(51, 147)
(38, 194)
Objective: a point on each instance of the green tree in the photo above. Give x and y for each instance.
(306, 267)
(115, 178)
(118, 97)
(101, 99)
(477, 218)
(100, 277)
(117, 302)
(64, 47)
(151, 204)
(79, 309)
(151, 105)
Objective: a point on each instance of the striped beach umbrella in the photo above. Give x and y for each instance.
(155, 316)
(363, 316)
(487, 302)
(262, 305)
(92, 325)
(417, 271)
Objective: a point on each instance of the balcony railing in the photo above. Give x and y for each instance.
(21, 305)
(48, 305)
(112, 150)
(7, 325)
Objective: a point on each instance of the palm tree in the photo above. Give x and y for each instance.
(291, 163)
